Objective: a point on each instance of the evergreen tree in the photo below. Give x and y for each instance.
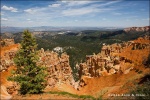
(28, 74)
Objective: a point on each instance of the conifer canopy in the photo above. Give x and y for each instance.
(28, 74)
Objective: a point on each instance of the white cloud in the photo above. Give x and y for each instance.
(4, 19)
(110, 2)
(70, 8)
(12, 9)
(77, 3)
(31, 11)
(73, 12)
(63, 1)
(37, 10)
(83, 9)
(84, 2)
(54, 5)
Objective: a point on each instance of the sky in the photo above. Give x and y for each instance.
(91, 13)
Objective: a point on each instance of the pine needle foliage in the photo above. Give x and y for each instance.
(28, 74)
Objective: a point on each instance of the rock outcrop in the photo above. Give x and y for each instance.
(4, 94)
(109, 61)
(8, 51)
(59, 70)
(138, 29)
(7, 42)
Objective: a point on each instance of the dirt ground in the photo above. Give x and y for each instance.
(43, 96)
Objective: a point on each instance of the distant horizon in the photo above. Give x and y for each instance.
(74, 26)
(62, 26)
(86, 13)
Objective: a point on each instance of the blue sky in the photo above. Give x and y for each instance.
(99, 13)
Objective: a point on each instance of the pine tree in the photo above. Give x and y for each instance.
(30, 77)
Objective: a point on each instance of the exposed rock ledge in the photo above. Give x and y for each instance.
(138, 29)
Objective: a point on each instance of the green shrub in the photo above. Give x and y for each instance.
(142, 89)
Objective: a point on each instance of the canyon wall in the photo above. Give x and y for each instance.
(113, 59)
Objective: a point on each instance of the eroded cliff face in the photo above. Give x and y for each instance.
(59, 70)
(115, 58)
(8, 51)
(138, 29)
